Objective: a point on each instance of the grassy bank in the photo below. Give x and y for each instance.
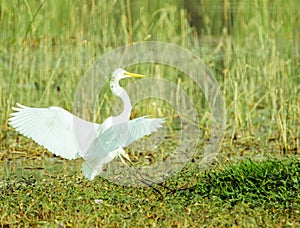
(245, 194)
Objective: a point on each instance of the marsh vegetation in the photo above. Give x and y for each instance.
(253, 49)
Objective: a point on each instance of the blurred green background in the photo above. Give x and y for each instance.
(252, 47)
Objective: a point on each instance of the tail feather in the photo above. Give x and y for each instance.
(89, 171)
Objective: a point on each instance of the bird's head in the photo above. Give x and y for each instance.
(120, 73)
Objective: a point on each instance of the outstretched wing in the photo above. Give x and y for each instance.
(122, 135)
(54, 128)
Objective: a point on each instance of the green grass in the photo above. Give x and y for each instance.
(253, 47)
(272, 183)
(245, 194)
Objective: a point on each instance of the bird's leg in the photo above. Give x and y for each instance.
(123, 154)
(138, 175)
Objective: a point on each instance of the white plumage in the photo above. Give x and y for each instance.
(71, 137)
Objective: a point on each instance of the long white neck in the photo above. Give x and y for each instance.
(120, 92)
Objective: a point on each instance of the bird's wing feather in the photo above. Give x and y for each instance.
(122, 135)
(52, 128)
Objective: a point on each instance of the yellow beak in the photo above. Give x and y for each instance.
(134, 75)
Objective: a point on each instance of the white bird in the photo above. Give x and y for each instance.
(71, 137)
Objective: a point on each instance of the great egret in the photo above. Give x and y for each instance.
(71, 137)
